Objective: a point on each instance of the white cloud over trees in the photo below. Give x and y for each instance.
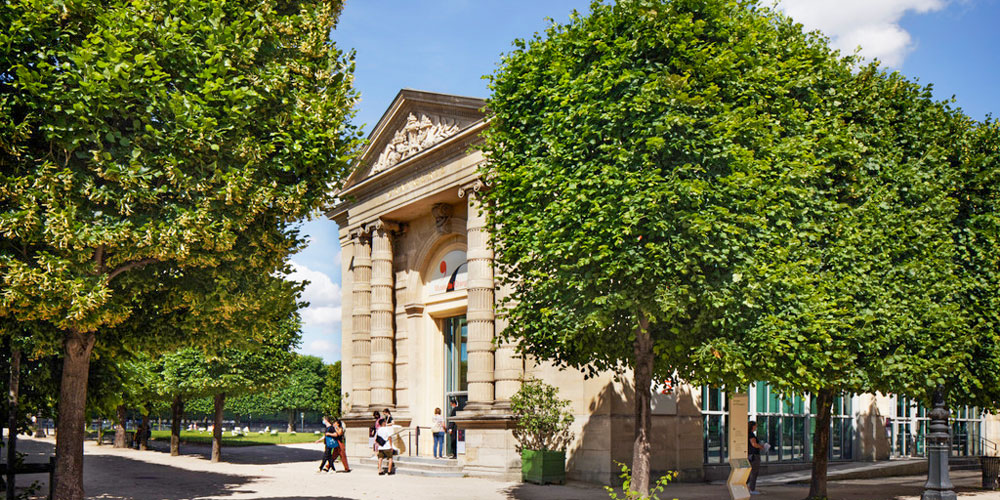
(871, 24)
(321, 320)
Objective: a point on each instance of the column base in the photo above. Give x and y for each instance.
(939, 495)
(476, 407)
(502, 405)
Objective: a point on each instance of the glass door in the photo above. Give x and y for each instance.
(456, 339)
(456, 385)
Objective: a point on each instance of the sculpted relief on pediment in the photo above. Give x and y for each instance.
(418, 134)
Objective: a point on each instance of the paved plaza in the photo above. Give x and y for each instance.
(287, 472)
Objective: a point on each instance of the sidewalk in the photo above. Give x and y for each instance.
(287, 472)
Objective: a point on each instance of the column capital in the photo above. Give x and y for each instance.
(472, 187)
(360, 233)
(391, 227)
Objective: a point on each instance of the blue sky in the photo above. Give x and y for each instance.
(448, 45)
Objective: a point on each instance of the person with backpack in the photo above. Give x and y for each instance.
(340, 433)
(330, 444)
(383, 440)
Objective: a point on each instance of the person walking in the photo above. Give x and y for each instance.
(755, 448)
(383, 440)
(340, 434)
(452, 430)
(373, 430)
(387, 417)
(329, 442)
(437, 429)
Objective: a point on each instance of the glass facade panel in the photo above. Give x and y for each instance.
(784, 421)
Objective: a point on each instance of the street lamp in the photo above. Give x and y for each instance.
(938, 485)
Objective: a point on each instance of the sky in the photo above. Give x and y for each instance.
(448, 45)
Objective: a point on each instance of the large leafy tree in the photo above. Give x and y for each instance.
(332, 390)
(303, 390)
(142, 139)
(864, 299)
(644, 159)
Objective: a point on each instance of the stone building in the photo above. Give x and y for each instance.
(419, 323)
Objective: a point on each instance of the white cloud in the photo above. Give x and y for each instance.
(871, 24)
(315, 316)
(321, 290)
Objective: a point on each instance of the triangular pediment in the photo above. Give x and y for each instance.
(415, 122)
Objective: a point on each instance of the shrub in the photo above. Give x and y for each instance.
(543, 419)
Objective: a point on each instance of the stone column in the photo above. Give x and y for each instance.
(361, 319)
(382, 312)
(480, 310)
(509, 364)
(402, 367)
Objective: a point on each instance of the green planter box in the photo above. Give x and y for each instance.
(543, 466)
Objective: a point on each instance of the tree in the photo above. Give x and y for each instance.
(144, 139)
(643, 160)
(303, 390)
(331, 390)
(878, 298)
(233, 372)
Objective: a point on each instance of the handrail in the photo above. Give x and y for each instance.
(983, 443)
(410, 431)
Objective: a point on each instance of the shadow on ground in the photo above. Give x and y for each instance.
(106, 476)
(246, 455)
(572, 491)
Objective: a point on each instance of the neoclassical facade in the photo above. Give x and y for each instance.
(419, 325)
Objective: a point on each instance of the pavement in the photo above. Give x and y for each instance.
(288, 472)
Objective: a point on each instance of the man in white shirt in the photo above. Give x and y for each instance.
(383, 441)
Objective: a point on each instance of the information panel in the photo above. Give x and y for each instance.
(739, 444)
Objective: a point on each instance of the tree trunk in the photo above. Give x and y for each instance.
(176, 414)
(77, 348)
(643, 418)
(220, 402)
(119, 441)
(143, 442)
(821, 444)
(291, 421)
(15, 378)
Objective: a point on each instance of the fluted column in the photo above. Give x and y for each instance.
(402, 369)
(382, 312)
(480, 310)
(361, 318)
(509, 364)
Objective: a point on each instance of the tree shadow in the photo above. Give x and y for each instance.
(246, 455)
(606, 435)
(112, 477)
(563, 492)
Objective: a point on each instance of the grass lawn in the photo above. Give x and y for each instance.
(252, 439)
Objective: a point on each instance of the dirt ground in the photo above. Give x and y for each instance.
(288, 472)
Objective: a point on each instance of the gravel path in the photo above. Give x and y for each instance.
(287, 472)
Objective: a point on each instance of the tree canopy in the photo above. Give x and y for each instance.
(141, 140)
(701, 186)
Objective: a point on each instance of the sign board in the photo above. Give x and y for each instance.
(739, 445)
(450, 273)
(739, 473)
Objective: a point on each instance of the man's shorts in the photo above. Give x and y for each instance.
(385, 454)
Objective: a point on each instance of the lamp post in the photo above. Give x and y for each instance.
(938, 485)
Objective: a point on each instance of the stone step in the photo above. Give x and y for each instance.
(419, 466)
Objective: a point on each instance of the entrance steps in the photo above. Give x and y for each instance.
(870, 470)
(419, 466)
